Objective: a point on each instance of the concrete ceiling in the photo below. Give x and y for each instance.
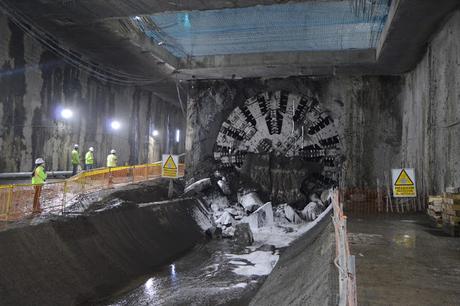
(102, 31)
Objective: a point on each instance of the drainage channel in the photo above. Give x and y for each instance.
(216, 273)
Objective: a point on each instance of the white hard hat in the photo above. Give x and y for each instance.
(75, 146)
(113, 151)
(39, 161)
(91, 149)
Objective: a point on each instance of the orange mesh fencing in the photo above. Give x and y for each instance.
(378, 200)
(344, 261)
(16, 201)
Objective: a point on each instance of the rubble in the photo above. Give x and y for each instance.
(291, 215)
(225, 219)
(243, 234)
(198, 186)
(250, 201)
(312, 211)
(228, 232)
(223, 185)
(326, 197)
(250, 215)
(214, 232)
(261, 217)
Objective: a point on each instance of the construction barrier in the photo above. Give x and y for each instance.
(344, 261)
(363, 201)
(16, 201)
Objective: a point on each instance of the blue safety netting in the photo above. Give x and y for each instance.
(308, 26)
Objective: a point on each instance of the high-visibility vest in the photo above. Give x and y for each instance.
(40, 176)
(75, 157)
(89, 158)
(112, 160)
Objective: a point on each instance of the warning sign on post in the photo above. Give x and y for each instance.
(403, 183)
(170, 166)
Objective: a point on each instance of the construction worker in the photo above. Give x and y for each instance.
(89, 159)
(75, 159)
(38, 179)
(112, 159)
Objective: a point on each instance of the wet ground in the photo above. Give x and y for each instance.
(216, 273)
(402, 260)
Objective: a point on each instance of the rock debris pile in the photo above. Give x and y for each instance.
(238, 211)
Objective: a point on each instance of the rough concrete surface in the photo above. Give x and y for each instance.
(431, 112)
(366, 110)
(305, 273)
(402, 260)
(73, 260)
(35, 84)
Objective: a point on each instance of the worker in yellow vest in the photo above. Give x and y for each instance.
(112, 159)
(38, 180)
(89, 159)
(75, 159)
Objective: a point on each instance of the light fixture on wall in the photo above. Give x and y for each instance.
(66, 113)
(155, 133)
(115, 125)
(177, 135)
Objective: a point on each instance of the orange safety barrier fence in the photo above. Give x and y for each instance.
(378, 200)
(344, 261)
(16, 201)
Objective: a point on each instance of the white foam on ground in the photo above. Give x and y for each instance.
(262, 263)
(277, 236)
(237, 262)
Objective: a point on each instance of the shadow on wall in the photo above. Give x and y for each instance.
(285, 179)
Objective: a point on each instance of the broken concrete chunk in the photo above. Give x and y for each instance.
(326, 197)
(292, 215)
(298, 204)
(198, 186)
(312, 211)
(250, 201)
(231, 211)
(262, 217)
(228, 232)
(224, 186)
(214, 232)
(225, 219)
(243, 234)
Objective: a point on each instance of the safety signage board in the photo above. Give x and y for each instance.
(403, 183)
(170, 166)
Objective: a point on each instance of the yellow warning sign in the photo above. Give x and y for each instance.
(170, 166)
(404, 179)
(403, 183)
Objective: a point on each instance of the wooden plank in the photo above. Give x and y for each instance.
(454, 196)
(432, 198)
(451, 206)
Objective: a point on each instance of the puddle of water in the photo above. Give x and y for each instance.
(207, 275)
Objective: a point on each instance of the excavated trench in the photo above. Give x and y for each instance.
(156, 253)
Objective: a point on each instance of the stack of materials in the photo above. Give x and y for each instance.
(451, 211)
(435, 204)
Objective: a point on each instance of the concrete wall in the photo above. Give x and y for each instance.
(366, 111)
(35, 83)
(305, 273)
(431, 112)
(72, 261)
